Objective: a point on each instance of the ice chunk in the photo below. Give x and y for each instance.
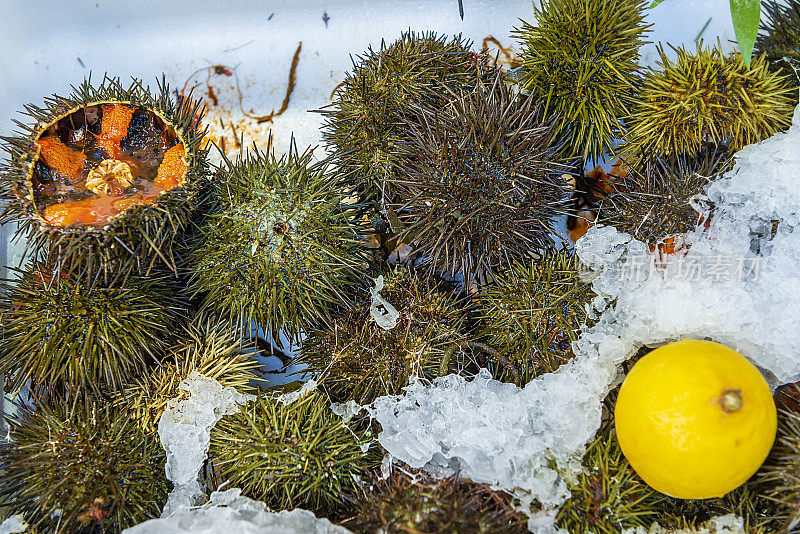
(346, 410)
(185, 432)
(288, 398)
(13, 525)
(382, 311)
(229, 512)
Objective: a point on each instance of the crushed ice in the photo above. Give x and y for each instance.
(229, 512)
(185, 432)
(737, 284)
(13, 525)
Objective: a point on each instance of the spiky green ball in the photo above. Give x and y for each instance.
(86, 459)
(482, 187)
(779, 37)
(581, 60)
(208, 346)
(297, 454)
(706, 99)
(532, 313)
(64, 333)
(781, 473)
(655, 200)
(417, 502)
(280, 248)
(355, 359)
(607, 497)
(141, 237)
(364, 124)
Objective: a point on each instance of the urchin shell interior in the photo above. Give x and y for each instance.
(67, 185)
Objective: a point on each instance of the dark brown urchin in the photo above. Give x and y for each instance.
(208, 346)
(532, 313)
(364, 124)
(106, 178)
(779, 36)
(292, 453)
(419, 503)
(79, 465)
(63, 333)
(581, 60)
(482, 188)
(654, 201)
(706, 99)
(356, 359)
(281, 248)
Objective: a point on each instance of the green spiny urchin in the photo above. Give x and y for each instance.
(706, 99)
(209, 347)
(779, 37)
(608, 497)
(356, 359)
(291, 454)
(781, 474)
(364, 124)
(416, 502)
(106, 178)
(482, 188)
(581, 60)
(655, 200)
(81, 466)
(61, 332)
(533, 312)
(280, 248)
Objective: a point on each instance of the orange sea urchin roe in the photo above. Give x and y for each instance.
(60, 157)
(173, 168)
(95, 210)
(114, 127)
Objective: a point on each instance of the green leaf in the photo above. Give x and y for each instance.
(655, 3)
(746, 15)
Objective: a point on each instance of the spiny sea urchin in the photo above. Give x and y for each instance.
(63, 332)
(417, 502)
(81, 466)
(356, 359)
(210, 347)
(581, 60)
(364, 124)
(706, 99)
(654, 201)
(532, 312)
(781, 474)
(280, 249)
(291, 454)
(608, 497)
(105, 178)
(779, 37)
(482, 188)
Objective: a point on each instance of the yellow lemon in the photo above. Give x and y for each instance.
(695, 419)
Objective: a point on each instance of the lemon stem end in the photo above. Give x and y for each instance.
(731, 400)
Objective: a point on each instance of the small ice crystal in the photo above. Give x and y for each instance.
(185, 432)
(288, 398)
(346, 410)
(13, 525)
(382, 311)
(229, 512)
